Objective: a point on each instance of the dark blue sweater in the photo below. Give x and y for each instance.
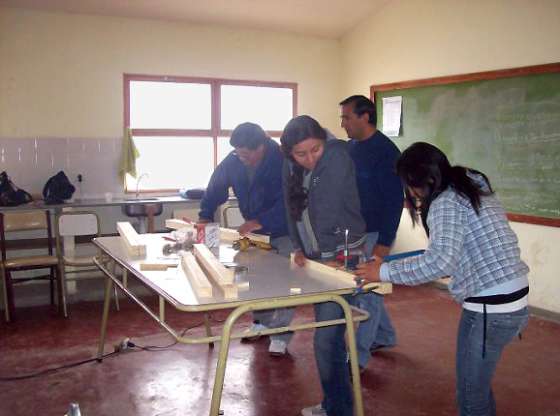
(380, 189)
(262, 200)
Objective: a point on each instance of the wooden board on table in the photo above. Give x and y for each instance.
(382, 288)
(131, 239)
(222, 276)
(196, 276)
(227, 234)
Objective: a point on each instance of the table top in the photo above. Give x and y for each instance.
(269, 275)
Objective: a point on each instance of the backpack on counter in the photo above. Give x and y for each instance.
(10, 194)
(58, 189)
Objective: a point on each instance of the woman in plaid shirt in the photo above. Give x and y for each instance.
(471, 241)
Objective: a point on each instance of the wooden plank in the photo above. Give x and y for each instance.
(131, 239)
(216, 271)
(227, 234)
(156, 266)
(175, 224)
(196, 276)
(329, 272)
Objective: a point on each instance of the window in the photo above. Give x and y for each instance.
(181, 126)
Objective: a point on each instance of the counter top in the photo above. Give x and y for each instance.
(101, 202)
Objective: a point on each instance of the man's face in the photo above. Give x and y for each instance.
(354, 125)
(250, 157)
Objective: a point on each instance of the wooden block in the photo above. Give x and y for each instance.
(244, 286)
(216, 271)
(156, 266)
(230, 291)
(175, 224)
(131, 239)
(329, 272)
(196, 276)
(227, 234)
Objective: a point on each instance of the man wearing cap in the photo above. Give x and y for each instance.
(254, 172)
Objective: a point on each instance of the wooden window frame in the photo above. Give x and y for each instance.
(215, 130)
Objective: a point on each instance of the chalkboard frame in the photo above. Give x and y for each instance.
(480, 76)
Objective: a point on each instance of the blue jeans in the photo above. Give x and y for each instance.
(330, 355)
(474, 373)
(378, 329)
(275, 318)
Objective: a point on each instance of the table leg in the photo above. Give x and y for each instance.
(106, 302)
(208, 329)
(353, 354)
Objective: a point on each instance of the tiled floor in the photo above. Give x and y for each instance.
(415, 378)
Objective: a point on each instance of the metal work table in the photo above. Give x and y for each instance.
(270, 276)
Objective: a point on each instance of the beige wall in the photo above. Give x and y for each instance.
(61, 74)
(418, 39)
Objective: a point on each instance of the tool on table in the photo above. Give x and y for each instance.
(359, 289)
(244, 243)
(391, 257)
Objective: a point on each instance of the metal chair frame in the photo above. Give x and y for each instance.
(29, 221)
(80, 224)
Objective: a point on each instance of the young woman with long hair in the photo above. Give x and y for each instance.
(471, 241)
(322, 202)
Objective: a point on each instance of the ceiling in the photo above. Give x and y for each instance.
(323, 18)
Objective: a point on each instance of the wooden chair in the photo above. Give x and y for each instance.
(68, 226)
(29, 222)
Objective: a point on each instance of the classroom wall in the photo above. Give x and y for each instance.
(61, 74)
(414, 39)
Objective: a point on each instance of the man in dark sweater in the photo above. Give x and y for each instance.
(254, 172)
(381, 198)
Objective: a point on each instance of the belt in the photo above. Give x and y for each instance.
(495, 300)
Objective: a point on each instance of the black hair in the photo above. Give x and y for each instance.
(424, 166)
(248, 135)
(362, 105)
(297, 130)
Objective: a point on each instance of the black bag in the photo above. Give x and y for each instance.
(11, 195)
(57, 189)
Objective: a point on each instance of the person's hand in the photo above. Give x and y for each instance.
(299, 258)
(369, 271)
(381, 251)
(249, 226)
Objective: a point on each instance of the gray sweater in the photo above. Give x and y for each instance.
(333, 202)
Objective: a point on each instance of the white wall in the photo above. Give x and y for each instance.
(61, 74)
(419, 39)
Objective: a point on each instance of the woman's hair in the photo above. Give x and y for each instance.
(297, 130)
(424, 166)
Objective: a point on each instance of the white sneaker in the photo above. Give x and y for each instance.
(316, 410)
(277, 347)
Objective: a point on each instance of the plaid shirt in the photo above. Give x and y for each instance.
(476, 251)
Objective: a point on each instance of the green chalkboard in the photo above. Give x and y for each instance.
(503, 123)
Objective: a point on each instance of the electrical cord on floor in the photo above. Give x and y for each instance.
(154, 348)
(55, 369)
(125, 345)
